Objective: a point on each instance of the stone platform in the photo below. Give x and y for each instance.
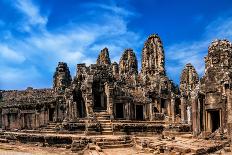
(101, 144)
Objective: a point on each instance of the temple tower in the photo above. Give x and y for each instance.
(103, 57)
(153, 56)
(61, 78)
(128, 63)
(188, 81)
(217, 86)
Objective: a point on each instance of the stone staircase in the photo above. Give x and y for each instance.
(122, 142)
(104, 119)
(3, 139)
(50, 128)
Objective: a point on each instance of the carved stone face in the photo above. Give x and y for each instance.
(215, 59)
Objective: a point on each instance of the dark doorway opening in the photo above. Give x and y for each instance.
(119, 110)
(139, 112)
(177, 107)
(81, 109)
(97, 100)
(162, 103)
(51, 114)
(215, 120)
(99, 95)
(155, 110)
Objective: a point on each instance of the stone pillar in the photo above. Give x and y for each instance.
(173, 109)
(89, 96)
(150, 111)
(189, 115)
(195, 113)
(183, 110)
(46, 116)
(109, 93)
(74, 110)
(229, 112)
(130, 110)
(4, 121)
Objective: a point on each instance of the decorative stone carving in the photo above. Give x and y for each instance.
(103, 58)
(153, 56)
(188, 80)
(128, 63)
(61, 78)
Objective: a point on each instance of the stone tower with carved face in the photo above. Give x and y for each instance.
(61, 78)
(103, 57)
(153, 56)
(128, 63)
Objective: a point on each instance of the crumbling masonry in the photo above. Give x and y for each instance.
(108, 98)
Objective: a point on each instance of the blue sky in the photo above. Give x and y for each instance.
(36, 34)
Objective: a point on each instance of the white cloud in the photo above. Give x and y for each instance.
(113, 8)
(76, 43)
(32, 16)
(195, 51)
(9, 54)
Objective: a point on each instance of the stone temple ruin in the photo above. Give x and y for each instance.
(116, 99)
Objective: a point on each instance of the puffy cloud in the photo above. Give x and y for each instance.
(194, 51)
(74, 43)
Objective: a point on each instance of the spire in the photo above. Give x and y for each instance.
(62, 78)
(103, 57)
(189, 79)
(128, 63)
(153, 56)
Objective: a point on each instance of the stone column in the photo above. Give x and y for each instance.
(229, 112)
(173, 108)
(75, 114)
(189, 115)
(183, 110)
(4, 120)
(89, 96)
(150, 111)
(109, 93)
(195, 113)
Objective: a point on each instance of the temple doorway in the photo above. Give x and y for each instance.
(119, 110)
(163, 106)
(99, 96)
(51, 114)
(213, 120)
(81, 109)
(139, 112)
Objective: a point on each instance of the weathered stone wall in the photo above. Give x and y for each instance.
(211, 107)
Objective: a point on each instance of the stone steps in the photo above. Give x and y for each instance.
(114, 143)
(116, 146)
(50, 128)
(3, 140)
(119, 142)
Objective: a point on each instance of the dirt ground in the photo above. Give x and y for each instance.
(31, 149)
